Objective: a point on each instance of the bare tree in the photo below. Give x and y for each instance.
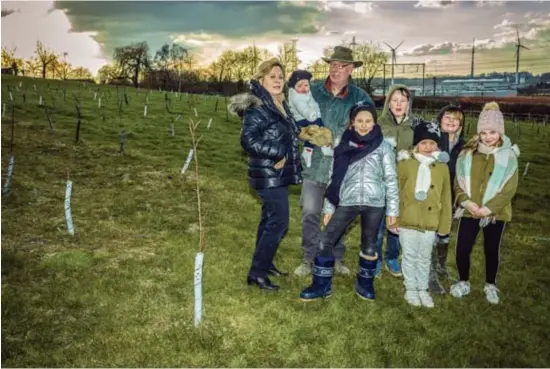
(8, 56)
(132, 60)
(373, 61)
(45, 56)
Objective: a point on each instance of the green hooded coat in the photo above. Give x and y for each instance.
(398, 133)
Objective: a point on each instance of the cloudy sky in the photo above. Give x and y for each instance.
(438, 33)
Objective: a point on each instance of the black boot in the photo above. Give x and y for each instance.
(263, 283)
(276, 272)
(433, 282)
(321, 284)
(442, 250)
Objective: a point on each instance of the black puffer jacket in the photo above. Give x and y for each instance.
(445, 145)
(267, 136)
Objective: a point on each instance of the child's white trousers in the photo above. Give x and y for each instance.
(416, 258)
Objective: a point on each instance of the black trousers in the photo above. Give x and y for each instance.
(492, 237)
(342, 218)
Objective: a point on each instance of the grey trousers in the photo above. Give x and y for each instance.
(311, 201)
(416, 258)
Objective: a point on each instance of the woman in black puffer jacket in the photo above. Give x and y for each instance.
(270, 138)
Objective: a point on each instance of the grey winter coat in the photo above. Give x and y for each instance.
(371, 181)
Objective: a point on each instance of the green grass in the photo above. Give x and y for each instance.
(120, 291)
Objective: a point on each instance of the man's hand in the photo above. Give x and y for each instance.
(326, 218)
(280, 163)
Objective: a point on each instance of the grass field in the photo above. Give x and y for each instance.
(119, 293)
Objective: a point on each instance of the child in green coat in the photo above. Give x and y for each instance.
(425, 195)
(486, 181)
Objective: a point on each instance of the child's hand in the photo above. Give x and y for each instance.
(327, 218)
(394, 230)
(472, 207)
(483, 212)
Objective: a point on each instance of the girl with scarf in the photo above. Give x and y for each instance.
(425, 191)
(486, 181)
(363, 182)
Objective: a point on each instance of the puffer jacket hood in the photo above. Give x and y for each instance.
(242, 102)
(387, 114)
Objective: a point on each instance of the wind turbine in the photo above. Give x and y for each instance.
(518, 47)
(473, 53)
(393, 58)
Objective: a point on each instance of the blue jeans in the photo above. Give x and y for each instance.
(392, 244)
(312, 205)
(273, 225)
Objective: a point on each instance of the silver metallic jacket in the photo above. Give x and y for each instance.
(371, 181)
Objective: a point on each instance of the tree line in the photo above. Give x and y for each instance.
(44, 63)
(174, 67)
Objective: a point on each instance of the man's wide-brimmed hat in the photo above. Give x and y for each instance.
(343, 54)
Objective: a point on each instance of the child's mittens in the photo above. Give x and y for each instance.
(327, 150)
(306, 155)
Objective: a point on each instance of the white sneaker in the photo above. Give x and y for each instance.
(412, 298)
(306, 155)
(425, 299)
(460, 289)
(491, 291)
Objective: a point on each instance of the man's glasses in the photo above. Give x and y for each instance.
(339, 65)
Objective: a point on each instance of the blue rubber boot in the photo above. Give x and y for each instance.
(364, 287)
(321, 285)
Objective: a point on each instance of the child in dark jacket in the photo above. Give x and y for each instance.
(451, 120)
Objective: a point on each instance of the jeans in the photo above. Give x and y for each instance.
(273, 225)
(342, 218)
(392, 244)
(312, 204)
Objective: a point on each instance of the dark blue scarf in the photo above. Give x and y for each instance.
(352, 148)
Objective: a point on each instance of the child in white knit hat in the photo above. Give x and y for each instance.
(486, 181)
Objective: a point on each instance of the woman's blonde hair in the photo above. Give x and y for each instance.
(265, 67)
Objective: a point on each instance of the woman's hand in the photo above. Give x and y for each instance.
(280, 163)
(327, 218)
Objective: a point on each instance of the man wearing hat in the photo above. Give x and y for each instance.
(335, 96)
